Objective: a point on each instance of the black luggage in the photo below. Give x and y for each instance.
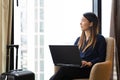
(16, 74)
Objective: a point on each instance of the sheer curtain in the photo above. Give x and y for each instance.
(115, 32)
(5, 30)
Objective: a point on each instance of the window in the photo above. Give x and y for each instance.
(106, 17)
(39, 23)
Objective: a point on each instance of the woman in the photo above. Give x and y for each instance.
(92, 48)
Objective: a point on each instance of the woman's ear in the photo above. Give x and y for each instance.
(91, 24)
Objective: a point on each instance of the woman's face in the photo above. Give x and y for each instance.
(85, 24)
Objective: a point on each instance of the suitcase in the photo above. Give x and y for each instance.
(16, 74)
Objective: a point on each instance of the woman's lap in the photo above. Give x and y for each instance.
(69, 73)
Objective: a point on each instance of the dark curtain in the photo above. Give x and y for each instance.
(115, 32)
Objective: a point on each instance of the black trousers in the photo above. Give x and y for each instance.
(69, 73)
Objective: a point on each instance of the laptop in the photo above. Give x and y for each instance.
(65, 55)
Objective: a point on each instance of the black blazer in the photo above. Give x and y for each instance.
(96, 54)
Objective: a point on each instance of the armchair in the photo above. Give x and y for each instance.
(102, 70)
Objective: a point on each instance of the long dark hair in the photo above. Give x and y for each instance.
(91, 17)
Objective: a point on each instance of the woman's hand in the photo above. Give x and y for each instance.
(85, 63)
(89, 64)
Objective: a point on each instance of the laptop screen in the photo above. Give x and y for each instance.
(65, 55)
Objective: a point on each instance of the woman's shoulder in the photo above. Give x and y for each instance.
(100, 37)
(78, 38)
(76, 42)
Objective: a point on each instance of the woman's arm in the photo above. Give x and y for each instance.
(101, 50)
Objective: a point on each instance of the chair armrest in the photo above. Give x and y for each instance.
(56, 68)
(101, 71)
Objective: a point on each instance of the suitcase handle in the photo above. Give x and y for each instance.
(10, 46)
